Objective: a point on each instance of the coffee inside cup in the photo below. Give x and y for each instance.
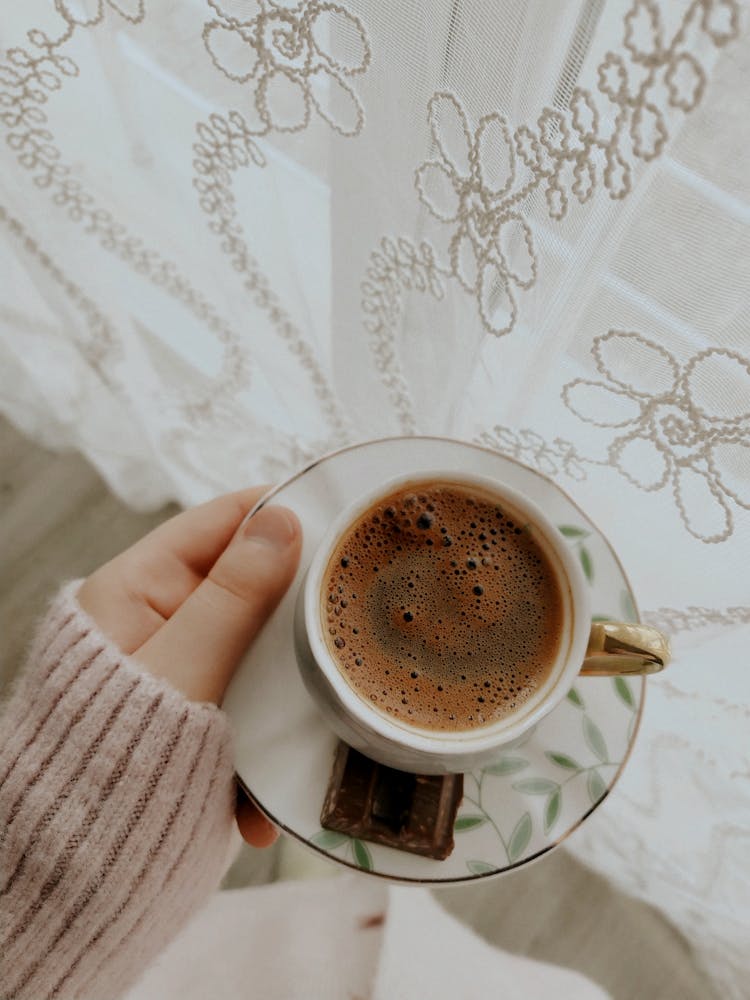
(441, 608)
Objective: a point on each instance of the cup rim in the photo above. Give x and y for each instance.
(462, 742)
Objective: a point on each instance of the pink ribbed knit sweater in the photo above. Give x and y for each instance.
(116, 811)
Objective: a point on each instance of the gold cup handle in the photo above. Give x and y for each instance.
(620, 648)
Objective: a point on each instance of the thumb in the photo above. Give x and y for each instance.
(199, 646)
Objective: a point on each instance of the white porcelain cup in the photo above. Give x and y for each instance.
(602, 648)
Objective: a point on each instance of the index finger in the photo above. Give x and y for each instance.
(198, 536)
(132, 595)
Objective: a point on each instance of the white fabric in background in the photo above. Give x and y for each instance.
(239, 233)
(343, 938)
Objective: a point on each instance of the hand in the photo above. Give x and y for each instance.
(188, 599)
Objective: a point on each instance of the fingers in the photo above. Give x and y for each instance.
(253, 825)
(198, 536)
(132, 595)
(199, 646)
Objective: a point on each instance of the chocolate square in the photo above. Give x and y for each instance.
(411, 812)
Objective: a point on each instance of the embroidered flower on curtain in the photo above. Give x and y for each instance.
(686, 427)
(469, 186)
(86, 15)
(298, 56)
(481, 181)
(551, 458)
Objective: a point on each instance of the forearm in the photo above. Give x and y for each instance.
(116, 810)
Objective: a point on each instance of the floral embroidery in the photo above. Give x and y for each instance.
(103, 347)
(393, 268)
(477, 185)
(225, 145)
(560, 456)
(471, 186)
(27, 78)
(76, 13)
(285, 50)
(686, 427)
(671, 620)
(551, 459)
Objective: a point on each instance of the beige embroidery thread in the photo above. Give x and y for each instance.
(479, 199)
(103, 347)
(28, 76)
(227, 144)
(477, 185)
(26, 79)
(283, 52)
(481, 178)
(549, 458)
(673, 433)
(691, 618)
(670, 438)
(395, 267)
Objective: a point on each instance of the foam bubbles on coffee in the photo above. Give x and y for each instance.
(441, 608)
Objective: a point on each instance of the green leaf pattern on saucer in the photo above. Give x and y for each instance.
(549, 783)
(539, 788)
(358, 850)
(560, 770)
(550, 788)
(540, 785)
(577, 536)
(574, 698)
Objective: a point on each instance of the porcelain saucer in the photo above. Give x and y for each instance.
(537, 791)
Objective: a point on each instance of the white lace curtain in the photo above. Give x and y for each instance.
(238, 233)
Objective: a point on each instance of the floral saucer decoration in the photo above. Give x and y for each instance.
(538, 790)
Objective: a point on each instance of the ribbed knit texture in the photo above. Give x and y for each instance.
(116, 811)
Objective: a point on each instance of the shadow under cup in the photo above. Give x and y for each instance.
(395, 742)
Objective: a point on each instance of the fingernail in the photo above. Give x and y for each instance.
(275, 526)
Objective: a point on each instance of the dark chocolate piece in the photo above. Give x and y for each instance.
(411, 812)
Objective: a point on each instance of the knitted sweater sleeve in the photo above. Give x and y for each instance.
(116, 812)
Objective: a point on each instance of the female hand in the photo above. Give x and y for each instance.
(188, 599)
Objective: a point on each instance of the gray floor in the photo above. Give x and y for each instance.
(59, 521)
